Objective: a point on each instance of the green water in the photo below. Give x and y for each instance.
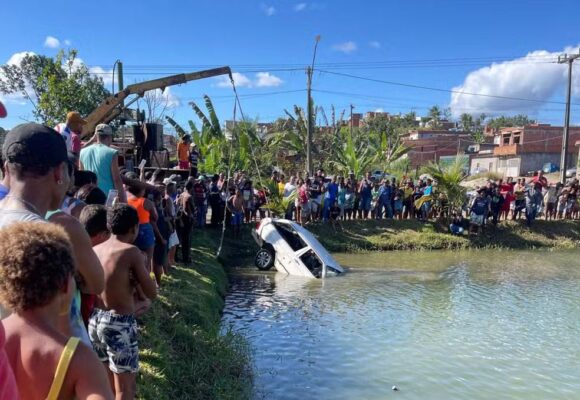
(438, 325)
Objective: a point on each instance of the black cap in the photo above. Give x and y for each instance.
(34, 147)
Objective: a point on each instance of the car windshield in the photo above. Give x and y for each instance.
(291, 236)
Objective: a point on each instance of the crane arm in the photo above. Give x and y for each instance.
(108, 109)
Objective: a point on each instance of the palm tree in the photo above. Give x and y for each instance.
(277, 204)
(435, 117)
(449, 178)
(466, 122)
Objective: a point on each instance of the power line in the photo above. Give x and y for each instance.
(439, 89)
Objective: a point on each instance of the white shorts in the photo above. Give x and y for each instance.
(173, 240)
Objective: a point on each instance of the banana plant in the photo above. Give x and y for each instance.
(350, 157)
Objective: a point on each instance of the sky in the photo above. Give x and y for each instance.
(491, 56)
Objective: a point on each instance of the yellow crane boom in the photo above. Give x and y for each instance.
(111, 107)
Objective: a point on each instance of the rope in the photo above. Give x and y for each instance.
(228, 174)
(251, 145)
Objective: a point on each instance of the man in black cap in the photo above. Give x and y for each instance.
(39, 174)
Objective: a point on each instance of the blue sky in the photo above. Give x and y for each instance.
(443, 44)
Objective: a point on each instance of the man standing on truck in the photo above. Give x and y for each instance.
(193, 160)
(101, 159)
(183, 152)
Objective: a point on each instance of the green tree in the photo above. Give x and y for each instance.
(508, 122)
(53, 86)
(352, 157)
(448, 178)
(435, 117)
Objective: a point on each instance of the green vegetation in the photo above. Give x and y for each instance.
(494, 176)
(449, 178)
(413, 235)
(183, 355)
(53, 86)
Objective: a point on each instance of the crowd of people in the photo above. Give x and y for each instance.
(86, 243)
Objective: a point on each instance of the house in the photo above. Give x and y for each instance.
(431, 145)
(521, 150)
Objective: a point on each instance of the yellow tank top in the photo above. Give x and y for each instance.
(62, 368)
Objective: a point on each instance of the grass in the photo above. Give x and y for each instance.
(182, 353)
(413, 235)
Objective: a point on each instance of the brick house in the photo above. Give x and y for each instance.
(431, 145)
(521, 150)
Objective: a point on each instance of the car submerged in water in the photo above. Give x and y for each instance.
(292, 250)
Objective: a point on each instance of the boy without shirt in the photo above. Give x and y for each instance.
(112, 326)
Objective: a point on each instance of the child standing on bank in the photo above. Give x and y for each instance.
(112, 326)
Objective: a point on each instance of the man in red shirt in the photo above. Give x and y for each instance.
(541, 179)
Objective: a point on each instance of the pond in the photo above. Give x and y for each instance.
(437, 325)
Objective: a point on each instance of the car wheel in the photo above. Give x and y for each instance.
(264, 259)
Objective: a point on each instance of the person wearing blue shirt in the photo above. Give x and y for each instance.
(329, 198)
(385, 196)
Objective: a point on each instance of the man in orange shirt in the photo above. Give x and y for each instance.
(183, 152)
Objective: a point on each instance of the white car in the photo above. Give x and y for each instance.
(292, 249)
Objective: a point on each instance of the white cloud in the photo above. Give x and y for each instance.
(261, 79)
(346, 47)
(534, 76)
(300, 7)
(375, 44)
(106, 75)
(16, 98)
(268, 10)
(172, 100)
(379, 110)
(240, 80)
(51, 42)
(67, 42)
(265, 79)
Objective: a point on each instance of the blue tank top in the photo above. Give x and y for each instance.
(97, 158)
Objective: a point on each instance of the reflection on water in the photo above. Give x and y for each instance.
(449, 325)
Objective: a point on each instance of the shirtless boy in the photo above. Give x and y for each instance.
(236, 206)
(112, 326)
(36, 284)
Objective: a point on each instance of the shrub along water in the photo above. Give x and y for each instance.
(182, 353)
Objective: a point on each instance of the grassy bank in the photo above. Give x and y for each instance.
(413, 235)
(182, 355)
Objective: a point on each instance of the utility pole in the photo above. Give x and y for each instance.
(351, 122)
(309, 125)
(566, 59)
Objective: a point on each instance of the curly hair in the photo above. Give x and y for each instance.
(36, 261)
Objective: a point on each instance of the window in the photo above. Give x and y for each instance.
(506, 138)
(290, 236)
(312, 263)
(517, 138)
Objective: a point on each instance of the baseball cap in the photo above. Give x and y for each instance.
(103, 129)
(34, 146)
(75, 116)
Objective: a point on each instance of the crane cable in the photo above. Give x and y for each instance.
(237, 104)
(229, 174)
